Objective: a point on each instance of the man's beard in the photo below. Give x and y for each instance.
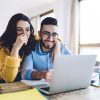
(47, 46)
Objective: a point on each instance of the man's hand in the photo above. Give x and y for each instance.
(56, 50)
(49, 75)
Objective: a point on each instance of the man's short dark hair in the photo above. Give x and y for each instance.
(49, 21)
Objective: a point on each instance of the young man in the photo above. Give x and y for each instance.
(39, 63)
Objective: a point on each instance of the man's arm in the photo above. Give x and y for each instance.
(27, 67)
(37, 75)
(47, 75)
(65, 50)
(28, 71)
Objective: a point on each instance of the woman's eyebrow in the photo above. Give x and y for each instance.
(21, 27)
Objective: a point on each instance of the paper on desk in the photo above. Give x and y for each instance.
(31, 94)
(36, 83)
(96, 78)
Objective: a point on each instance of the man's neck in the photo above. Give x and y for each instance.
(44, 49)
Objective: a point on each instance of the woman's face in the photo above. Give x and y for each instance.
(23, 27)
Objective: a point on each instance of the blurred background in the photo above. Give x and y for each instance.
(78, 20)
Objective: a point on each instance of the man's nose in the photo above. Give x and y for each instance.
(50, 37)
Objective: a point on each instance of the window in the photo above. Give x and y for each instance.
(90, 27)
(37, 20)
(47, 14)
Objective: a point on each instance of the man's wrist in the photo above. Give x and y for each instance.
(36, 75)
(43, 76)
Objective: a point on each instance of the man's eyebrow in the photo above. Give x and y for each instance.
(46, 31)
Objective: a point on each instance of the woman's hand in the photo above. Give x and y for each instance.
(21, 39)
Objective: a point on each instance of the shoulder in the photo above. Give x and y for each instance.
(3, 54)
(64, 49)
(2, 50)
(29, 56)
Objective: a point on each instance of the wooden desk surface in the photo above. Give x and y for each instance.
(13, 87)
(90, 93)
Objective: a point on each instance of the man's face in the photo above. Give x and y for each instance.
(49, 35)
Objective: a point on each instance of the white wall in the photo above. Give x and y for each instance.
(3, 24)
(62, 12)
(6, 17)
(62, 9)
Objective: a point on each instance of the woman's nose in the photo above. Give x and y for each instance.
(24, 32)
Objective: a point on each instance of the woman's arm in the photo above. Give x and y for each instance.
(10, 68)
(12, 62)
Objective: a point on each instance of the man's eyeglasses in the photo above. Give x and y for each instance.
(48, 34)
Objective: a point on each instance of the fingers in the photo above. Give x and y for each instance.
(23, 38)
(59, 40)
(56, 50)
(48, 79)
(49, 75)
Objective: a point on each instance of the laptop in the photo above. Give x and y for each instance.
(71, 72)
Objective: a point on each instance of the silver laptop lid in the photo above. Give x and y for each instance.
(72, 72)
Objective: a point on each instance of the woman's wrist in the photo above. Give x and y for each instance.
(14, 52)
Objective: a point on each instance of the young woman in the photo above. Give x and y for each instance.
(17, 39)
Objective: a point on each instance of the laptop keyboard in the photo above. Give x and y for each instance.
(46, 88)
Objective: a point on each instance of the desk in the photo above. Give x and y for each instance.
(90, 93)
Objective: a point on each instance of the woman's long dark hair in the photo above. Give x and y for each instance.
(10, 35)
